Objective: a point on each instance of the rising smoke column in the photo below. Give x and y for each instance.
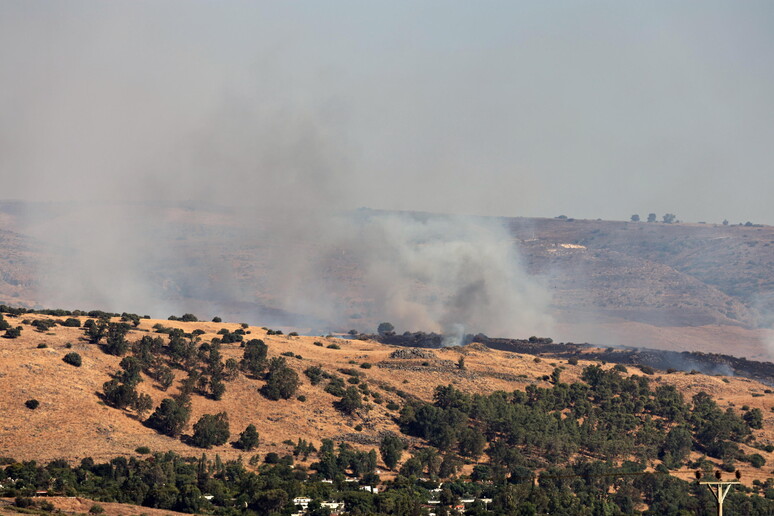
(448, 274)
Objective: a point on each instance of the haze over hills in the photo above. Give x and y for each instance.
(673, 286)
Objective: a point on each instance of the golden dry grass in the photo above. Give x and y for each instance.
(72, 422)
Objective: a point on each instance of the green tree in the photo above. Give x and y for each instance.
(211, 430)
(635, 218)
(171, 417)
(12, 333)
(351, 401)
(385, 328)
(391, 450)
(116, 339)
(95, 331)
(248, 439)
(72, 359)
(281, 381)
(119, 395)
(254, 357)
(754, 418)
(651, 217)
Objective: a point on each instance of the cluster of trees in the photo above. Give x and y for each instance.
(170, 482)
(668, 218)
(609, 416)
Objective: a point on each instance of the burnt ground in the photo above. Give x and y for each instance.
(705, 363)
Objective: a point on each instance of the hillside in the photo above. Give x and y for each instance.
(72, 422)
(670, 286)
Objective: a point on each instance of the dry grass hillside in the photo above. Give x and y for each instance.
(72, 422)
(671, 286)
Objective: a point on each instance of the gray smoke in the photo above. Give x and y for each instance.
(447, 274)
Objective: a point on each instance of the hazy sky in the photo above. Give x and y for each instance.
(589, 109)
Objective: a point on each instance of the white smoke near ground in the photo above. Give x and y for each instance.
(447, 274)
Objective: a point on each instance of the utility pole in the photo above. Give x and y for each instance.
(718, 488)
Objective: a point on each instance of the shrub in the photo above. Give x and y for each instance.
(217, 319)
(248, 439)
(318, 343)
(756, 460)
(646, 369)
(366, 365)
(96, 509)
(391, 449)
(333, 346)
(351, 401)
(32, 404)
(620, 368)
(211, 430)
(293, 334)
(171, 417)
(116, 339)
(301, 398)
(24, 502)
(72, 359)
(69, 345)
(573, 361)
(42, 345)
(72, 322)
(254, 357)
(143, 450)
(12, 333)
(385, 328)
(314, 373)
(358, 428)
(281, 381)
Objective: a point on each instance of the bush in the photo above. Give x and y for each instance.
(333, 346)
(301, 398)
(314, 373)
(366, 365)
(143, 450)
(72, 323)
(211, 430)
(756, 460)
(217, 319)
(32, 404)
(24, 502)
(351, 401)
(281, 381)
(12, 333)
(248, 439)
(318, 343)
(96, 509)
(42, 345)
(573, 361)
(72, 359)
(171, 417)
(254, 357)
(385, 328)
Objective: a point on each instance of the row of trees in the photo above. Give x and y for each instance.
(668, 218)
